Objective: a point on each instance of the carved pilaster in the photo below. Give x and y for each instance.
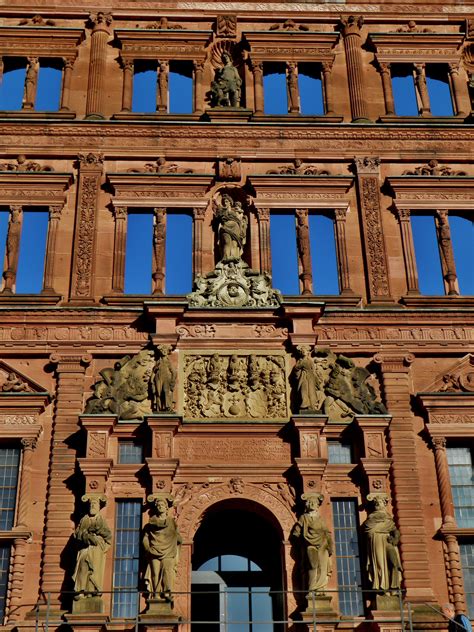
(159, 244)
(66, 89)
(310, 463)
(455, 572)
(127, 90)
(90, 176)
(49, 276)
(198, 87)
(340, 216)
(199, 213)
(460, 93)
(403, 215)
(368, 184)
(404, 445)
(444, 484)
(384, 70)
(263, 219)
(420, 81)
(120, 241)
(327, 87)
(24, 499)
(12, 248)
(446, 249)
(304, 249)
(351, 27)
(98, 61)
(17, 578)
(257, 69)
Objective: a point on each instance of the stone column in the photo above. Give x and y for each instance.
(420, 80)
(263, 219)
(403, 215)
(446, 249)
(127, 90)
(340, 216)
(351, 27)
(460, 93)
(368, 187)
(60, 501)
(162, 86)
(304, 249)
(444, 484)
(12, 248)
(159, 245)
(88, 190)
(257, 69)
(384, 69)
(406, 476)
(327, 87)
(120, 240)
(49, 276)
(98, 64)
(292, 87)
(198, 87)
(66, 90)
(31, 83)
(199, 214)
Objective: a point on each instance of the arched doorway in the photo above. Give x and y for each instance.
(237, 571)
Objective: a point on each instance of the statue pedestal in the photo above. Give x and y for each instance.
(87, 614)
(88, 605)
(319, 606)
(387, 603)
(159, 611)
(226, 114)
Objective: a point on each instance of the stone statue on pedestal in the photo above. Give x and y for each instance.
(164, 380)
(226, 87)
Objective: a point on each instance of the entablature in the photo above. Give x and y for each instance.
(421, 192)
(44, 41)
(163, 44)
(280, 191)
(291, 45)
(417, 47)
(34, 188)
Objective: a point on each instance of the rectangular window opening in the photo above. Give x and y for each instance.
(180, 87)
(12, 83)
(139, 252)
(323, 254)
(48, 91)
(466, 550)
(428, 261)
(130, 451)
(4, 220)
(179, 252)
(32, 256)
(145, 82)
(403, 88)
(9, 469)
(126, 558)
(339, 452)
(439, 90)
(462, 239)
(5, 554)
(311, 89)
(285, 273)
(275, 98)
(462, 484)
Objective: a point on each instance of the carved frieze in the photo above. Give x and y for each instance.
(227, 449)
(433, 168)
(298, 169)
(237, 386)
(22, 164)
(161, 165)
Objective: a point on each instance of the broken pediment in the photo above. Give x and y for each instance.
(13, 381)
(458, 379)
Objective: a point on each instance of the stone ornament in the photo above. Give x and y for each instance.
(13, 383)
(315, 542)
(298, 169)
(433, 168)
(331, 384)
(459, 381)
(235, 386)
(36, 20)
(288, 25)
(232, 283)
(160, 166)
(22, 164)
(93, 538)
(384, 568)
(163, 24)
(226, 26)
(226, 87)
(136, 386)
(412, 27)
(162, 542)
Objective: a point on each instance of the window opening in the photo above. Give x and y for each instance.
(339, 452)
(323, 254)
(9, 467)
(427, 255)
(467, 562)
(130, 451)
(403, 88)
(311, 89)
(139, 252)
(462, 238)
(285, 275)
(126, 558)
(180, 87)
(48, 91)
(5, 554)
(462, 484)
(144, 86)
(4, 220)
(179, 252)
(12, 83)
(32, 255)
(439, 90)
(275, 99)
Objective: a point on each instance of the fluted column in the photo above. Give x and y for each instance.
(66, 89)
(98, 64)
(447, 254)
(340, 216)
(459, 87)
(420, 80)
(304, 249)
(159, 245)
(199, 213)
(127, 90)
(198, 87)
(12, 248)
(351, 27)
(120, 241)
(327, 86)
(31, 83)
(49, 276)
(263, 219)
(257, 69)
(408, 250)
(387, 88)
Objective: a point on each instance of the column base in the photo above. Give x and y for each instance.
(319, 605)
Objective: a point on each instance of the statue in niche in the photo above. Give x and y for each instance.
(226, 86)
(311, 533)
(31, 79)
(232, 229)
(94, 539)
(384, 568)
(164, 380)
(308, 383)
(161, 541)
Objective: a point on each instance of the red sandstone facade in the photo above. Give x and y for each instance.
(82, 322)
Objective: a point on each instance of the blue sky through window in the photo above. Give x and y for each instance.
(284, 253)
(275, 99)
(180, 87)
(311, 89)
(323, 254)
(34, 231)
(12, 83)
(428, 262)
(403, 88)
(439, 91)
(139, 253)
(179, 253)
(4, 219)
(48, 92)
(144, 87)
(462, 238)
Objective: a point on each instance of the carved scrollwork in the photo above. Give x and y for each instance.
(433, 168)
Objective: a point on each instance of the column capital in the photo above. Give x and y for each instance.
(55, 211)
(340, 214)
(90, 160)
(70, 363)
(403, 214)
(127, 64)
(438, 442)
(351, 25)
(199, 212)
(395, 363)
(100, 21)
(29, 443)
(367, 165)
(120, 212)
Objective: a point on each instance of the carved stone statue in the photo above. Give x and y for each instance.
(316, 543)
(164, 380)
(232, 229)
(15, 384)
(94, 538)
(384, 568)
(226, 86)
(308, 383)
(161, 541)
(31, 79)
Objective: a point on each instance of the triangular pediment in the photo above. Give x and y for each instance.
(14, 382)
(457, 379)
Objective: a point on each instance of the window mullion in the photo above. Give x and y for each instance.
(446, 251)
(159, 241)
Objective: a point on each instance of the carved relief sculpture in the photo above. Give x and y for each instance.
(164, 380)
(226, 86)
(298, 169)
(226, 26)
(22, 164)
(315, 541)
(433, 168)
(235, 386)
(160, 166)
(161, 541)
(94, 538)
(384, 568)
